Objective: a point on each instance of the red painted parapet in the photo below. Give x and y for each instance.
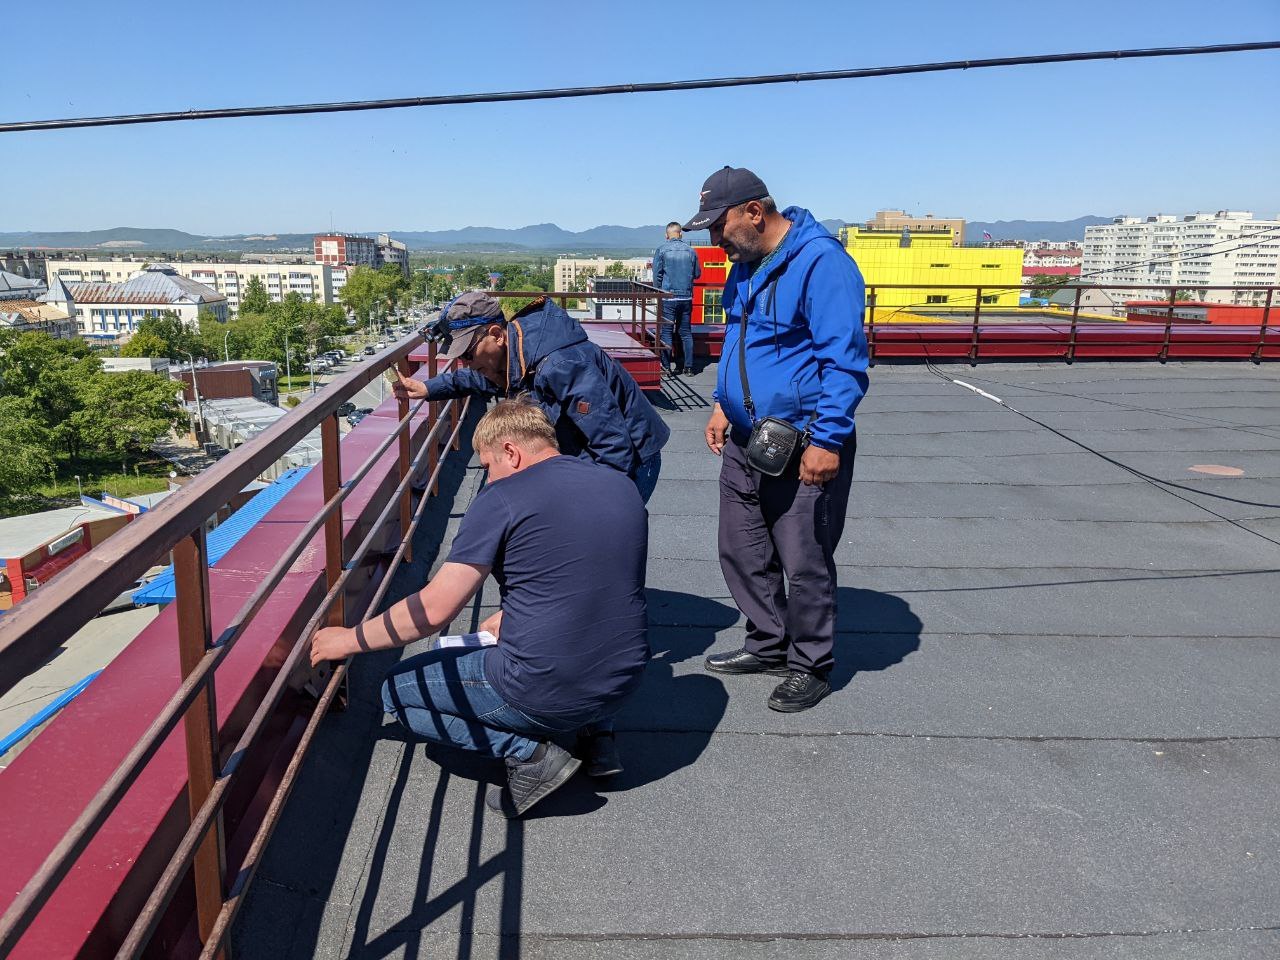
(106, 818)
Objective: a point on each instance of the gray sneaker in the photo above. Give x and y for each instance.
(529, 781)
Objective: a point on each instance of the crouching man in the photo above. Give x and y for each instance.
(566, 540)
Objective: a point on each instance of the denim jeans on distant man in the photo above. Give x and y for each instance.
(677, 317)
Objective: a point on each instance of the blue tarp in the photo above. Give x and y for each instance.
(226, 535)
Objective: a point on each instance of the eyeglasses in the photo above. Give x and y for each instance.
(469, 354)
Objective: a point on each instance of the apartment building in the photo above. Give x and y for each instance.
(319, 282)
(570, 271)
(1226, 248)
(105, 310)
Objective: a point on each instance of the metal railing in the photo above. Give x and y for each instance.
(639, 320)
(34, 630)
(971, 304)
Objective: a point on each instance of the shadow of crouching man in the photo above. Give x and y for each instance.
(874, 631)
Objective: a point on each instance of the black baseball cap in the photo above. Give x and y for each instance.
(727, 187)
(464, 319)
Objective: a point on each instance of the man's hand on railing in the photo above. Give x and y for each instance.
(493, 624)
(406, 388)
(333, 643)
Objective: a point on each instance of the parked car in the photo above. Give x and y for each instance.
(379, 346)
(346, 409)
(369, 351)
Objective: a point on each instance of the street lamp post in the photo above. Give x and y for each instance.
(288, 375)
(226, 350)
(195, 388)
(79, 489)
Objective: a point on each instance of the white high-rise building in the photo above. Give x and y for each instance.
(1227, 248)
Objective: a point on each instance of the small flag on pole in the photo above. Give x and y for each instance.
(986, 235)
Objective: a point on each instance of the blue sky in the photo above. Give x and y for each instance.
(1047, 142)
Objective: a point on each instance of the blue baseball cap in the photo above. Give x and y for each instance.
(464, 318)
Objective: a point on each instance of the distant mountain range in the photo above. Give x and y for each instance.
(540, 236)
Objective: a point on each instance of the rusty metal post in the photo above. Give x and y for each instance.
(633, 315)
(871, 326)
(331, 477)
(200, 725)
(1075, 321)
(1168, 325)
(973, 343)
(433, 417)
(657, 333)
(1262, 330)
(404, 459)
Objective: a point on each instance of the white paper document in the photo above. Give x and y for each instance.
(482, 639)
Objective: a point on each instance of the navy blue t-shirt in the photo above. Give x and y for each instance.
(566, 540)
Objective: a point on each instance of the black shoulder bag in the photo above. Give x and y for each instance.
(774, 443)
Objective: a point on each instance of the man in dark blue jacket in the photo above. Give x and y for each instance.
(598, 411)
(675, 267)
(806, 360)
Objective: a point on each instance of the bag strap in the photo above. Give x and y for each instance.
(742, 367)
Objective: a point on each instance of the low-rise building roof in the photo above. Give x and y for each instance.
(158, 284)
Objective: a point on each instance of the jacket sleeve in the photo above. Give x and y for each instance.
(657, 268)
(697, 264)
(585, 397)
(833, 303)
(460, 383)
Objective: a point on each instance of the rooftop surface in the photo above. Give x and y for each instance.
(1055, 731)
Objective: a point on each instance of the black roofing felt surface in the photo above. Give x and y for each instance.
(1056, 730)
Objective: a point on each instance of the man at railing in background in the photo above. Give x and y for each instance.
(793, 305)
(566, 540)
(675, 267)
(598, 411)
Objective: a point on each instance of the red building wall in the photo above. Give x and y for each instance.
(708, 287)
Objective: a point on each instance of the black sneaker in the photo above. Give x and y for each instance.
(799, 691)
(599, 754)
(741, 661)
(688, 371)
(529, 781)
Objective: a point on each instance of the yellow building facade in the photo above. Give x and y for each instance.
(925, 262)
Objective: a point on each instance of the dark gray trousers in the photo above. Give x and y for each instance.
(776, 527)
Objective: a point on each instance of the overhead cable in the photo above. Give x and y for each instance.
(668, 86)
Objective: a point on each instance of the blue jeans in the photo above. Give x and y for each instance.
(646, 476)
(677, 317)
(442, 696)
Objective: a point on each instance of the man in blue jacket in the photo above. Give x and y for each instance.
(675, 267)
(598, 411)
(806, 359)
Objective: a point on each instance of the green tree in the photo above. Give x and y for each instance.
(441, 289)
(361, 292)
(169, 329)
(1044, 285)
(51, 375)
(145, 344)
(617, 269)
(124, 413)
(419, 283)
(26, 443)
(475, 276)
(255, 299)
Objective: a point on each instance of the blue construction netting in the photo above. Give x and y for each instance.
(226, 535)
